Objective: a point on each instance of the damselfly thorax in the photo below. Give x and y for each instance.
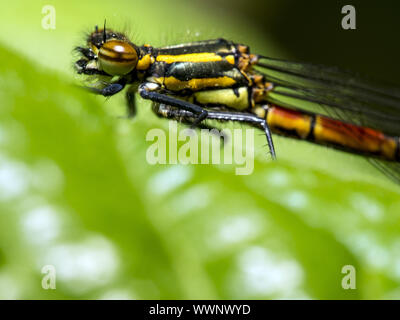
(219, 79)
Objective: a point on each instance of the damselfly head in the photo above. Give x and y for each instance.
(107, 53)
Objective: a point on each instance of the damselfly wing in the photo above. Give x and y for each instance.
(338, 94)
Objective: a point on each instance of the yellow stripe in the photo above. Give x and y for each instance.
(190, 57)
(225, 97)
(174, 84)
(145, 62)
(230, 59)
(290, 121)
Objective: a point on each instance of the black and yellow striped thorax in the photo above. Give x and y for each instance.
(210, 72)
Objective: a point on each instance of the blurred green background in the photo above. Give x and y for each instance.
(77, 193)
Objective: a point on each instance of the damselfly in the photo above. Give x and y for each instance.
(219, 79)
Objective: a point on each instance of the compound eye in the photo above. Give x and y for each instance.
(117, 57)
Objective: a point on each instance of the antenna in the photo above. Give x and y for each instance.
(104, 31)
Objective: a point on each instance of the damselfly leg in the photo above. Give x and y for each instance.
(147, 91)
(188, 117)
(130, 101)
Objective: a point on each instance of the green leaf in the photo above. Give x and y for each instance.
(77, 192)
